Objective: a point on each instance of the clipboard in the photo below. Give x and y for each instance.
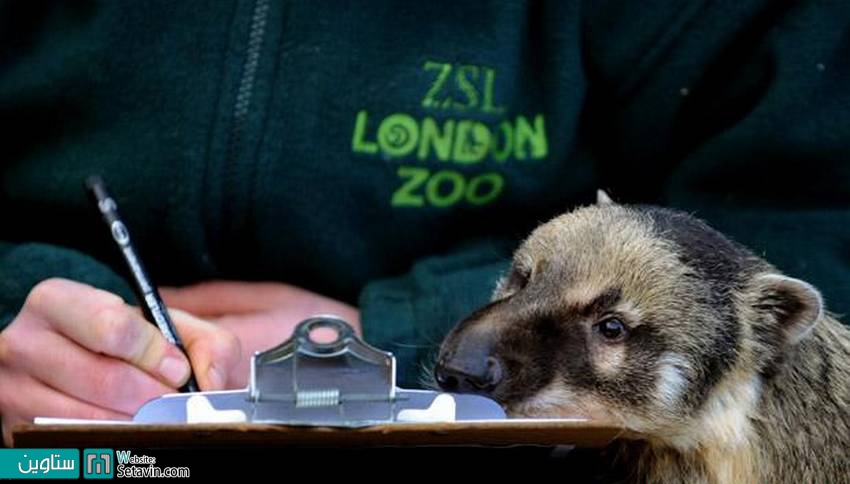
(311, 393)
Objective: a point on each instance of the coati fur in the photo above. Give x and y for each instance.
(733, 372)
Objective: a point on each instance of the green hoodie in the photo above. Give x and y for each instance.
(391, 154)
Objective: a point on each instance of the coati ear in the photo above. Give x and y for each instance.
(602, 198)
(794, 304)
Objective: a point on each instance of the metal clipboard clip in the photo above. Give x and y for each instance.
(305, 381)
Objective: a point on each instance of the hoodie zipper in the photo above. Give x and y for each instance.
(249, 71)
(233, 201)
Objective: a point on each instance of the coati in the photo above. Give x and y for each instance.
(649, 318)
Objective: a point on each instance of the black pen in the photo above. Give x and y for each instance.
(152, 306)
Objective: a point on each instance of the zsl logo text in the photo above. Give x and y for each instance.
(457, 93)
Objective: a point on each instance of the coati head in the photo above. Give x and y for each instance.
(636, 314)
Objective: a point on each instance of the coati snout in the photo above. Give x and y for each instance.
(633, 313)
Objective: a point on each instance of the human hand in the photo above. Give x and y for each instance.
(75, 351)
(261, 314)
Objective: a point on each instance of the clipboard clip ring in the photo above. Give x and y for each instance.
(307, 330)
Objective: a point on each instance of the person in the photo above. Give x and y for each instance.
(380, 161)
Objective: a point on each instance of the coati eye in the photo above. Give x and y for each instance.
(611, 329)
